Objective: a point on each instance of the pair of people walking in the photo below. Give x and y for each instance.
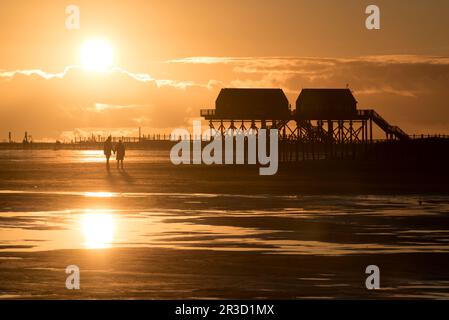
(118, 149)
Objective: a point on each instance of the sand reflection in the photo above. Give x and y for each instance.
(91, 156)
(98, 229)
(99, 194)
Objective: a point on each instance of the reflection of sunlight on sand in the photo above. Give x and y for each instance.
(98, 229)
(99, 194)
(92, 156)
(190, 221)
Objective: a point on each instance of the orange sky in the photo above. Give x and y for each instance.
(401, 70)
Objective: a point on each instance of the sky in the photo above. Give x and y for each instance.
(171, 58)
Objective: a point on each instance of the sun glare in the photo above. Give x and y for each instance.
(96, 55)
(98, 230)
(99, 194)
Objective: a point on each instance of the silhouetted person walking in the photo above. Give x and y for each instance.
(107, 149)
(120, 153)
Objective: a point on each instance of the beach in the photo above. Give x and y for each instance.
(159, 231)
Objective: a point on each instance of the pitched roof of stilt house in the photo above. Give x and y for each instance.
(245, 103)
(323, 104)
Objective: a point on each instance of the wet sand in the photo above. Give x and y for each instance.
(219, 232)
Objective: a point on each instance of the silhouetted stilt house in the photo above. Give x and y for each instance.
(247, 108)
(323, 118)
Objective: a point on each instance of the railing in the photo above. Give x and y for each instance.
(429, 136)
(364, 113)
(382, 123)
(399, 131)
(169, 137)
(207, 112)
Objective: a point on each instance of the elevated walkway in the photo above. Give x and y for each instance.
(383, 124)
(362, 115)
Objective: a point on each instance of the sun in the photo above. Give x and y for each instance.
(96, 55)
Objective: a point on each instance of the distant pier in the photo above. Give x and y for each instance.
(325, 125)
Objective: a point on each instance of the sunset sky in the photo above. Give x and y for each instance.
(171, 58)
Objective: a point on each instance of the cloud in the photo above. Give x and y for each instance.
(143, 77)
(8, 75)
(408, 90)
(103, 107)
(48, 105)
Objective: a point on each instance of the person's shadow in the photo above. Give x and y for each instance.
(113, 178)
(110, 177)
(126, 176)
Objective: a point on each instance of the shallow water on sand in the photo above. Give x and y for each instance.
(318, 225)
(305, 245)
(78, 156)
